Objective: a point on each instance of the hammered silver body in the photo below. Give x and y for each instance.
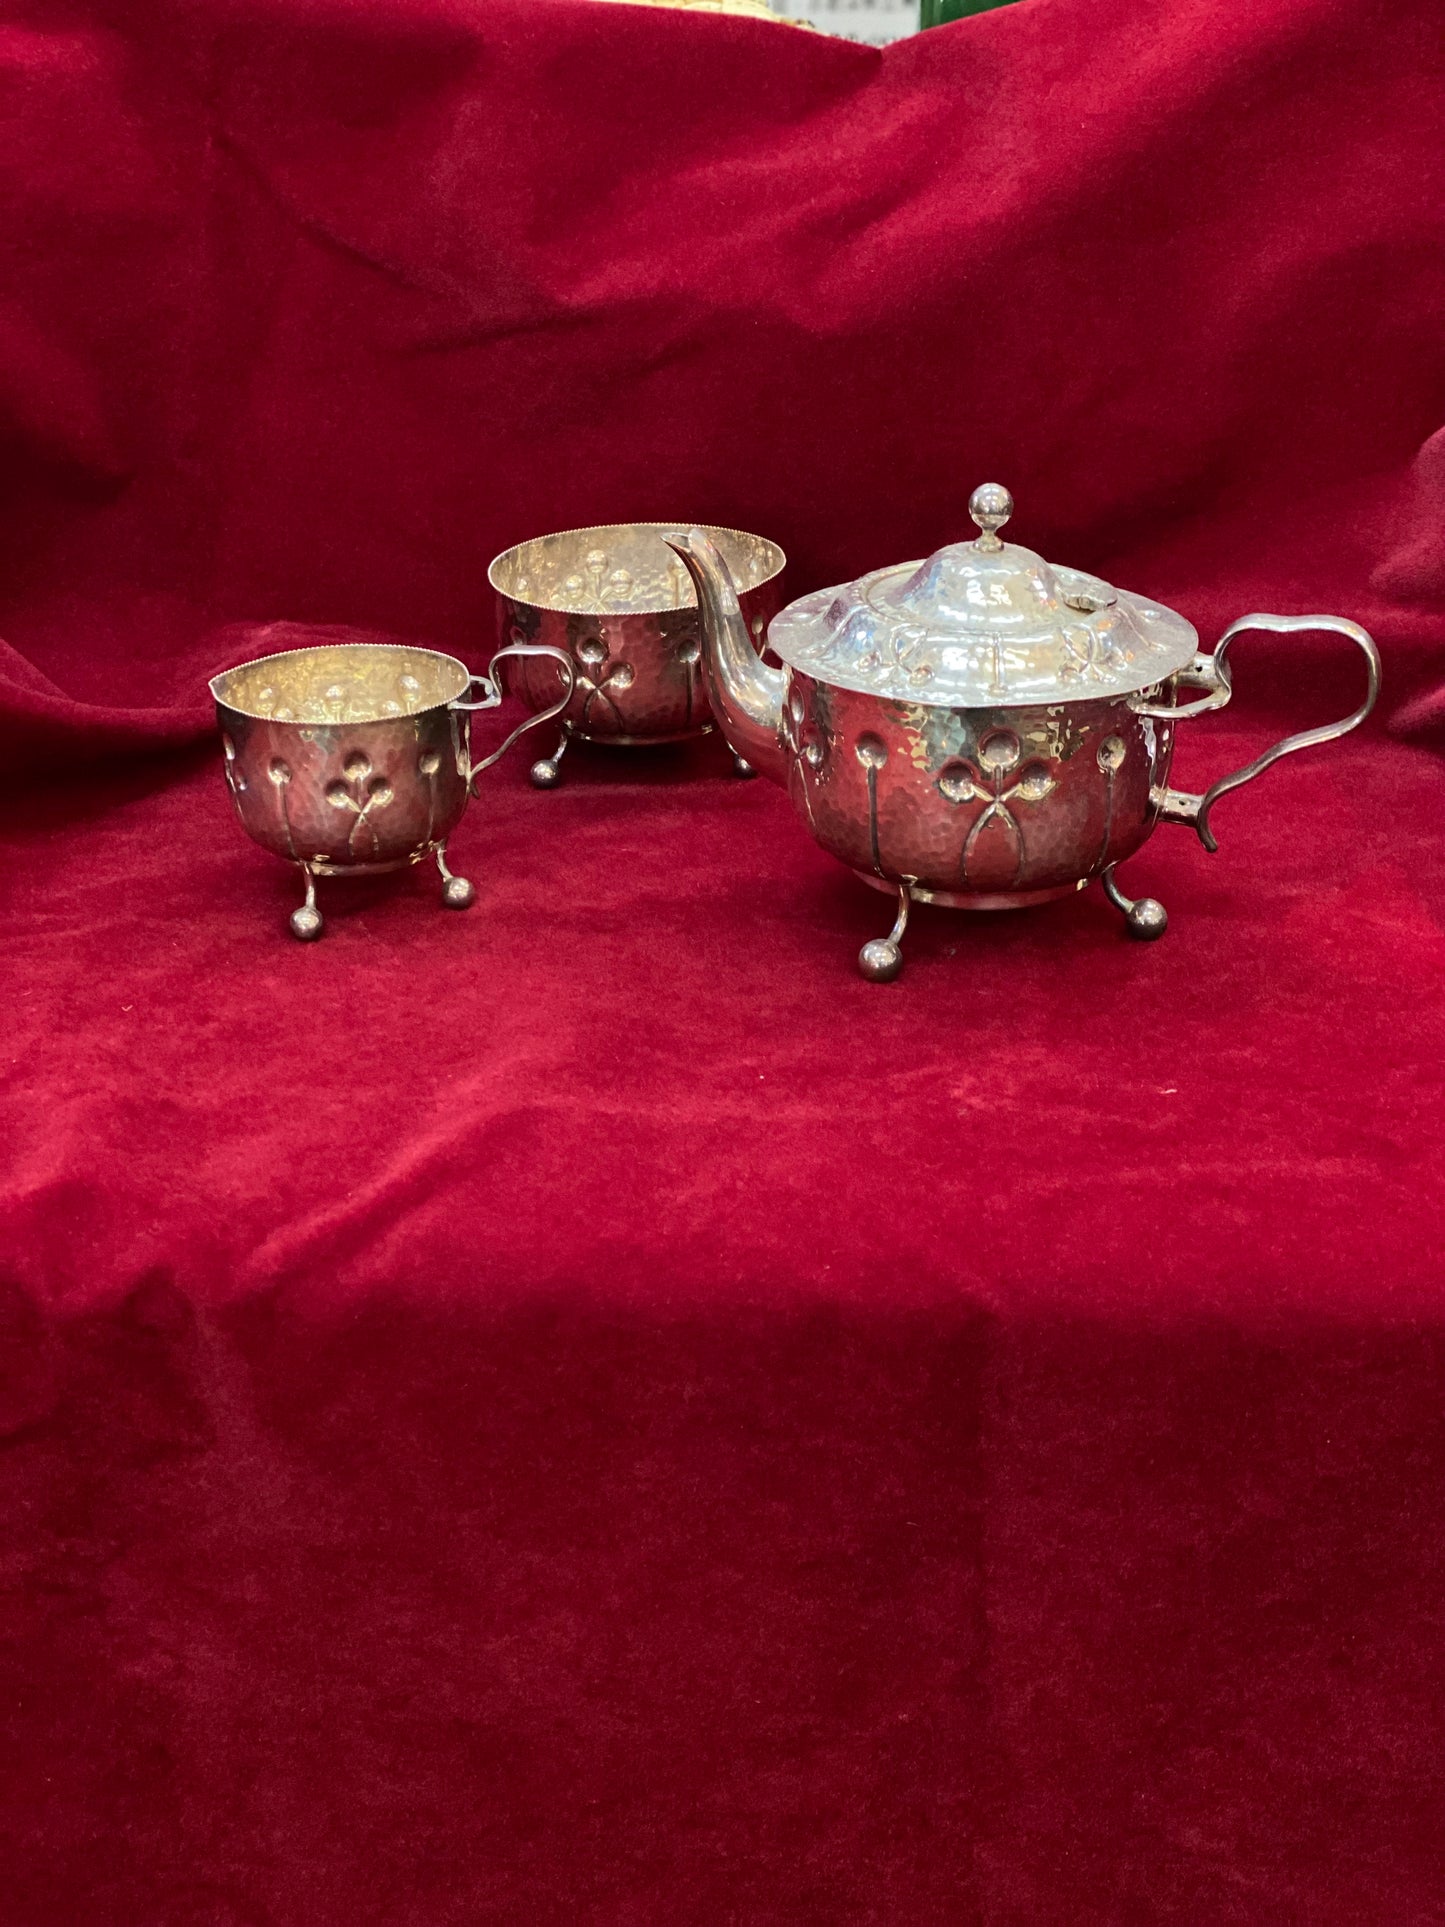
(332, 782)
(976, 808)
(357, 797)
(619, 604)
(981, 729)
(352, 757)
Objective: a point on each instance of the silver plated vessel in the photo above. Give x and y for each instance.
(981, 729)
(621, 607)
(351, 757)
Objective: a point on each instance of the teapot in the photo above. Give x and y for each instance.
(982, 729)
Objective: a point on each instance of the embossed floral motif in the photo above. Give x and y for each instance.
(998, 782)
(279, 773)
(794, 716)
(362, 791)
(872, 753)
(1092, 656)
(603, 584)
(235, 776)
(910, 646)
(682, 636)
(237, 785)
(597, 678)
(797, 736)
(429, 766)
(1110, 758)
(1110, 754)
(805, 737)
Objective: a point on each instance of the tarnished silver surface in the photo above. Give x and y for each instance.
(986, 804)
(621, 606)
(982, 622)
(355, 757)
(980, 808)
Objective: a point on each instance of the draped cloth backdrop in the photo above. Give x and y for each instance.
(587, 1411)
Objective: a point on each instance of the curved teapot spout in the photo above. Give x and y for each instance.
(745, 695)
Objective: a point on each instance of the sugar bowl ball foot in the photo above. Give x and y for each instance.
(742, 767)
(1146, 919)
(546, 773)
(881, 960)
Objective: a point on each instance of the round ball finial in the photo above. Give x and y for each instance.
(880, 961)
(545, 774)
(990, 507)
(458, 893)
(1146, 919)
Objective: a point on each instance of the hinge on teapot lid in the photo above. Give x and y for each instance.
(1089, 601)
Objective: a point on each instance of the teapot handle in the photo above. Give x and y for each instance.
(1212, 674)
(491, 695)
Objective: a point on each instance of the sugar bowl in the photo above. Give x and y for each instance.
(621, 607)
(352, 755)
(981, 729)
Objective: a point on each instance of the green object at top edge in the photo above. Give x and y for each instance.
(936, 13)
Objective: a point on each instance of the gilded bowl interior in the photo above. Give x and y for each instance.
(622, 569)
(356, 682)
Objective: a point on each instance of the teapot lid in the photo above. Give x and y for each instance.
(983, 624)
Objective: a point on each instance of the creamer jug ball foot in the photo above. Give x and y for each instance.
(457, 892)
(307, 923)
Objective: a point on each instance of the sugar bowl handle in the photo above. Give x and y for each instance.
(492, 695)
(1211, 673)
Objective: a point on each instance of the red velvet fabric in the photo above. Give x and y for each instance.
(585, 1409)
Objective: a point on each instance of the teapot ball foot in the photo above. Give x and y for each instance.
(545, 774)
(1146, 919)
(458, 894)
(742, 767)
(306, 923)
(881, 960)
